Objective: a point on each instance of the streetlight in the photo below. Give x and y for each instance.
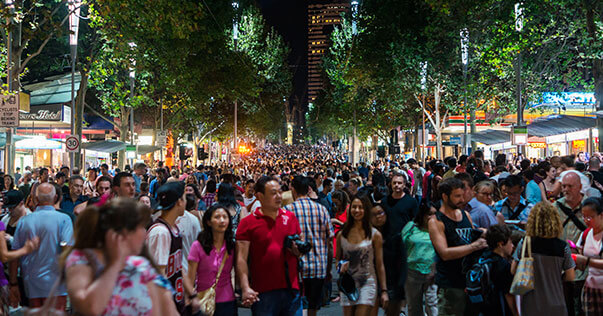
(235, 36)
(74, 22)
(465, 59)
(519, 28)
(132, 81)
(354, 9)
(423, 66)
(9, 148)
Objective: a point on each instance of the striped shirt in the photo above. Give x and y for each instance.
(315, 224)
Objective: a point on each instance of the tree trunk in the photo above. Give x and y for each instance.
(123, 135)
(418, 148)
(79, 118)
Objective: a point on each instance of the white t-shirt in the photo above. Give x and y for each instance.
(158, 242)
(248, 201)
(592, 247)
(189, 227)
(254, 206)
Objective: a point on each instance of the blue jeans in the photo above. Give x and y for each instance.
(278, 303)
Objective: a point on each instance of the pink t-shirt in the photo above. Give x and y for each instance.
(207, 270)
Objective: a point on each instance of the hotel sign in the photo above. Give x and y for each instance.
(48, 113)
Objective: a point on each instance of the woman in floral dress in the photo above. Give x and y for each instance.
(105, 274)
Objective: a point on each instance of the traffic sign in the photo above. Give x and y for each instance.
(72, 143)
(161, 139)
(9, 110)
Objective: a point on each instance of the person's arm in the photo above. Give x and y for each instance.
(162, 300)
(249, 295)
(378, 247)
(569, 275)
(436, 233)
(89, 295)
(189, 286)
(10, 255)
(511, 302)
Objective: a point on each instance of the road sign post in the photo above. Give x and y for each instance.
(72, 143)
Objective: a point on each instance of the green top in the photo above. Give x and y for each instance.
(419, 248)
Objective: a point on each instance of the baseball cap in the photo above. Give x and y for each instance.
(168, 194)
(12, 198)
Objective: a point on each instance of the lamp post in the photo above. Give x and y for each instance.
(465, 60)
(354, 9)
(9, 148)
(132, 82)
(74, 21)
(235, 35)
(519, 28)
(423, 66)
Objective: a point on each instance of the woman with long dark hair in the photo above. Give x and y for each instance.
(104, 273)
(214, 245)
(360, 254)
(226, 197)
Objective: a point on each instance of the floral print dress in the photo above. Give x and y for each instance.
(130, 295)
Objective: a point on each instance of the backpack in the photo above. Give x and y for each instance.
(478, 281)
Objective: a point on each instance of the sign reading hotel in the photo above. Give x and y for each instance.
(47, 113)
(9, 111)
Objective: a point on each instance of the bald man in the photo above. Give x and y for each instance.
(569, 208)
(40, 268)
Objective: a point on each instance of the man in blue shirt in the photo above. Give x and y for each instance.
(74, 197)
(514, 206)
(40, 269)
(140, 169)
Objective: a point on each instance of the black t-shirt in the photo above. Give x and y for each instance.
(597, 176)
(502, 279)
(399, 213)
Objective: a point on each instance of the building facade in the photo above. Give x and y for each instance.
(322, 18)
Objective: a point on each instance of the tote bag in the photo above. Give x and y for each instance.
(523, 281)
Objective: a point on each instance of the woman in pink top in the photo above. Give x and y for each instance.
(206, 255)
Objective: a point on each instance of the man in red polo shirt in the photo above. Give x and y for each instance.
(272, 291)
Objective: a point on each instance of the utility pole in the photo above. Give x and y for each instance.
(235, 34)
(9, 148)
(519, 28)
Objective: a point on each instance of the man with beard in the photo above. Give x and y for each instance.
(400, 209)
(451, 232)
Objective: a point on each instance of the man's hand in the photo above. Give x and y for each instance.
(479, 244)
(249, 297)
(294, 250)
(32, 244)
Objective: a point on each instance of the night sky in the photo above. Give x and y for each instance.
(289, 18)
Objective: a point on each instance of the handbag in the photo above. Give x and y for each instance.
(207, 298)
(523, 281)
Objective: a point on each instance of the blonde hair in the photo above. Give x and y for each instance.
(544, 221)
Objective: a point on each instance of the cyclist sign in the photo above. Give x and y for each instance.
(72, 143)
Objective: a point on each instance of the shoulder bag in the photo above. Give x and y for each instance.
(523, 281)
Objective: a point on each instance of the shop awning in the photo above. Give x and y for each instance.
(145, 149)
(106, 146)
(491, 136)
(15, 139)
(560, 124)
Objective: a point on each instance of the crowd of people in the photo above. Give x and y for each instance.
(272, 231)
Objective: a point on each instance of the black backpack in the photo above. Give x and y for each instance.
(479, 285)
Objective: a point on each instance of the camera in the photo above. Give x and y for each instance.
(303, 246)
